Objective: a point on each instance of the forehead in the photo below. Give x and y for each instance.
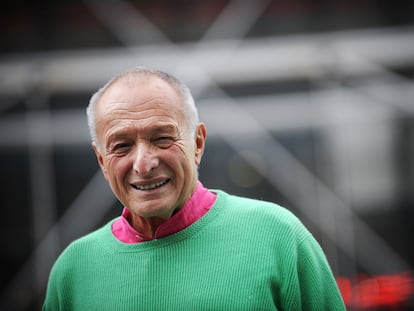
(140, 88)
(148, 99)
(135, 92)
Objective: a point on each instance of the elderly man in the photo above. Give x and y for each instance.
(178, 245)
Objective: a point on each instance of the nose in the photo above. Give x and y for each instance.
(145, 160)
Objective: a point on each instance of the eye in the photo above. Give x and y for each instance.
(120, 148)
(163, 141)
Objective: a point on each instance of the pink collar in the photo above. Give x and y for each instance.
(195, 208)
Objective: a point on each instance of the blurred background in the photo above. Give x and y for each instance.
(308, 103)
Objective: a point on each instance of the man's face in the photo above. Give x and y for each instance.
(146, 152)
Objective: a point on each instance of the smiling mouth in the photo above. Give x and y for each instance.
(151, 186)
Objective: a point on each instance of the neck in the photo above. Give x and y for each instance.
(146, 226)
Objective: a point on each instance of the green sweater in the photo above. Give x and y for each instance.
(243, 254)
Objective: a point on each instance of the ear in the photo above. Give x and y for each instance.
(100, 160)
(200, 142)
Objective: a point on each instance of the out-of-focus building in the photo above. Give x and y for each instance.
(309, 104)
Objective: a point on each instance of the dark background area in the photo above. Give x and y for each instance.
(308, 104)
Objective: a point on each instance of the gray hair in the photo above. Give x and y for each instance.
(182, 89)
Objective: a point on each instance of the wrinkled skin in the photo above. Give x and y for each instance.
(145, 149)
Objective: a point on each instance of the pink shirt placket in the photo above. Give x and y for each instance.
(195, 208)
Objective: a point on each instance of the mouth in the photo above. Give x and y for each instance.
(151, 186)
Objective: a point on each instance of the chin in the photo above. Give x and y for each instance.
(154, 209)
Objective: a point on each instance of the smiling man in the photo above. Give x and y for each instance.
(147, 150)
(178, 245)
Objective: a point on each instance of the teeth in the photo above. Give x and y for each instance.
(152, 186)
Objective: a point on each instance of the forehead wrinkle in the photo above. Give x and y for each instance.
(132, 130)
(163, 106)
(124, 105)
(136, 112)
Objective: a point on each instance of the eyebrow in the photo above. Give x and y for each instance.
(164, 128)
(157, 128)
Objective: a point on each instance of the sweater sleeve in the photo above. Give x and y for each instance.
(52, 301)
(312, 285)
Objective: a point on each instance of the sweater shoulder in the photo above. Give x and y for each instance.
(266, 215)
(244, 205)
(86, 244)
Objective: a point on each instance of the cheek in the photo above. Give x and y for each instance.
(188, 164)
(116, 167)
(184, 155)
(173, 160)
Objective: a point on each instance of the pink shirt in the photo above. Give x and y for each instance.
(195, 208)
